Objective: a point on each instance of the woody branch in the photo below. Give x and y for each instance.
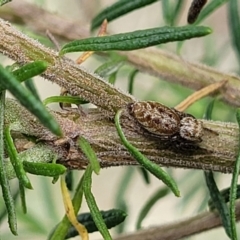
(218, 151)
(152, 61)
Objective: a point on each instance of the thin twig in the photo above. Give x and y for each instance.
(200, 223)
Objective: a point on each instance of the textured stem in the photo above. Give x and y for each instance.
(39, 153)
(31, 15)
(62, 71)
(153, 61)
(217, 152)
(175, 69)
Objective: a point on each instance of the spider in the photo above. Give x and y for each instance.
(167, 123)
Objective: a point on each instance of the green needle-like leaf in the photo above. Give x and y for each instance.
(171, 10)
(30, 70)
(23, 198)
(2, 2)
(64, 99)
(225, 195)
(234, 25)
(110, 67)
(3, 176)
(29, 101)
(69, 180)
(29, 84)
(111, 218)
(44, 169)
(131, 78)
(215, 194)
(120, 201)
(145, 175)
(136, 40)
(17, 164)
(144, 162)
(218, 202)
(233, 190)
(118, 9)
(96, 215)
(149, 204)
(209, 9)
(90, 154)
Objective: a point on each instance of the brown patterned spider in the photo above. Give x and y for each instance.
(167, 123)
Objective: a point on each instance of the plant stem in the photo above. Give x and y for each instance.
(200, 223)
(154, 61)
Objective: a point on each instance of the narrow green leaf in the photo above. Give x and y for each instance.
(3, 212)
(136, 40)
(23, 198)
(171, 11)
(30, 70)
(120, 201)
(17, 164)
(145, 175)
(29, 84)
(234, 25)
(166, 11)
(111, 218)
(29, 101)
(118, 9)
(110, 67)
(218, 202)
(233, 190)
(176, 11)
(27, 71)
(208, 114)
(69, 180)
(214, 192)
(144, 162)
(209, 9)
(112, 78)
(131, 78)
(60, 231)
(44, 169)
(90, 154)
(92, 205)
(225, 193)
(160, 193)
(2, 2)
(64, 99)
(6, 192)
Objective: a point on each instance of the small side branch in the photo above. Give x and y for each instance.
(200, 223)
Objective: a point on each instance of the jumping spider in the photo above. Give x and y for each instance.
(165, 123)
